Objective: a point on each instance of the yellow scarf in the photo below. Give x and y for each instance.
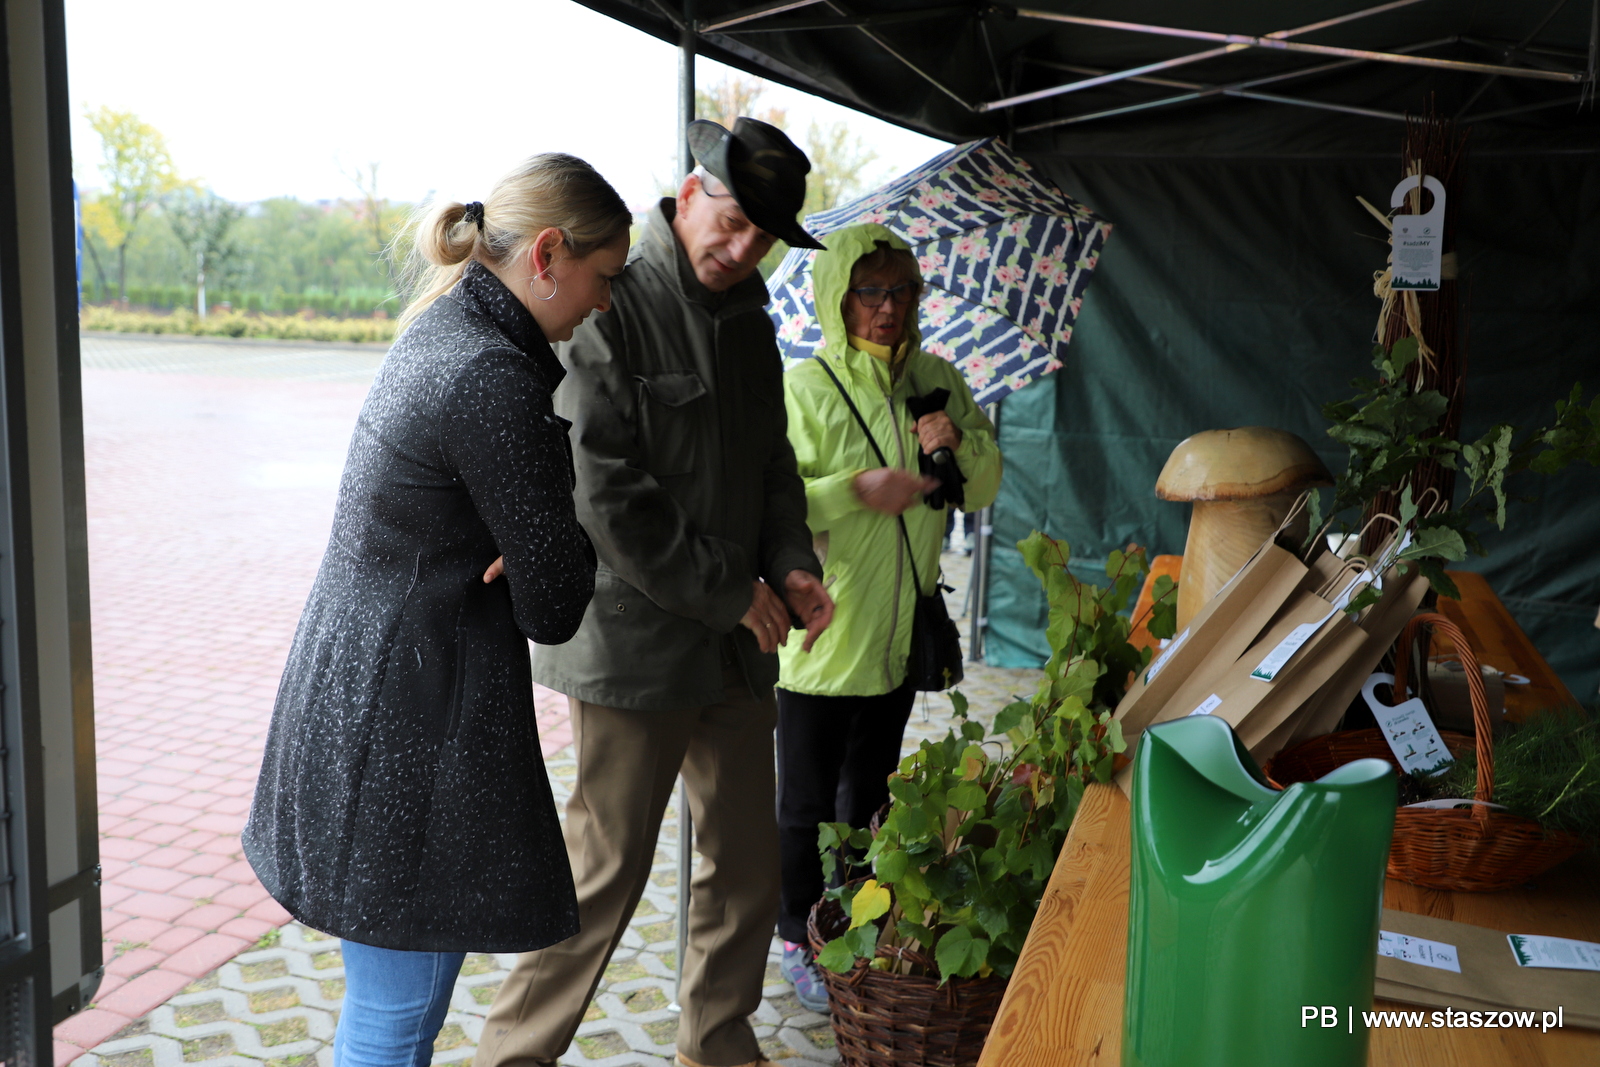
(876, 351)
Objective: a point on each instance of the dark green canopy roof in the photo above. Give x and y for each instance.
(943, 67)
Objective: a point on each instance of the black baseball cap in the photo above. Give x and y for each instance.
(763, 170)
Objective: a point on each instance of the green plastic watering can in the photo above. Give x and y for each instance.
(1252, 913)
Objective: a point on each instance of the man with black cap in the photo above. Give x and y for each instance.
(686, 484)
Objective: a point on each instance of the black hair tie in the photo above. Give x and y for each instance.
(474, 214)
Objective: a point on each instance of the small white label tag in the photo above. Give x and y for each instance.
(1418, 950)
(1208, 705)
(1407, 727)
(1161, 660)
(1561, 952)
(1269, 668)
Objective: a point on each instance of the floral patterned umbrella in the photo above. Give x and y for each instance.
(1005, 259)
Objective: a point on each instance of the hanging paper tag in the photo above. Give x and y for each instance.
(1419, 950)
(1561, 952)
(1161, 660)
(1418, 240)
(1407, 727)
(1208, 705)
(1269, 668)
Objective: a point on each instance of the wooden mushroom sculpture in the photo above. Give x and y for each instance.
(1242, 483)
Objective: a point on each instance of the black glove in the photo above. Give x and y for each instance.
(942, 463)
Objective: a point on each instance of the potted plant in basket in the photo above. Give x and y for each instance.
(916, 956)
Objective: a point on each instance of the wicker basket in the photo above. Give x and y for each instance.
(881, 1018)
(1474, 851)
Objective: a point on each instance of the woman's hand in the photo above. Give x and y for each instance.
(891, 490)
(767, 618)
(496, 569)
(936, 431)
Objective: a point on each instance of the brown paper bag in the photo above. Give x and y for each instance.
(1255, 708)
(1382, 623)
(1224, 627)
(1490, 978)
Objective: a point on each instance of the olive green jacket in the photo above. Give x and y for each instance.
(864, 651)
(686, 484)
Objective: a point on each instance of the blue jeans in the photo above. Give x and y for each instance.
(394, 1004)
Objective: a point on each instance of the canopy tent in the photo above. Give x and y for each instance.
(1227, 144)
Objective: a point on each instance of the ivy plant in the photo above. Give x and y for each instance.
(975, 820)
(1391, 427)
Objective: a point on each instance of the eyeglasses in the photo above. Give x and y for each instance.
(872, 296)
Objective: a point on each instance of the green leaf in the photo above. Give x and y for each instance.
(1368, 596)
(958, 701)
(1401, 355)
(863, 941)
(994, 920)
(1439, 542)
(959, 954)
(904, 791)
(911, 931)
(1010, 716)
(1433, 570)
(836, 956)
(891, 865)
(968, 796)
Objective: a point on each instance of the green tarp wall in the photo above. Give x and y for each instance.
(1238, 291)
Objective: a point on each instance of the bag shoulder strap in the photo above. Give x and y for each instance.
(873, 441)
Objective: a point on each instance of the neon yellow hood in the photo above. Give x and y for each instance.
(830, 280)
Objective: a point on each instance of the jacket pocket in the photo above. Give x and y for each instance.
(669, 421)
(452, 723)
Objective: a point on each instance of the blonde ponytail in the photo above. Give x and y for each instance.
(550, 190)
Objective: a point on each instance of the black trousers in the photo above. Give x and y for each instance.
(835, 755)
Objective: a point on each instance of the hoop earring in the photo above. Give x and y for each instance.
(554, 285)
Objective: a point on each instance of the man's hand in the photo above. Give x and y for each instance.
(810, 603)
(891, 490)
(496, 569)
(767, 618)
(936, 431)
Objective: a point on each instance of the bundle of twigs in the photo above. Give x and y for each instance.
(1433, 147)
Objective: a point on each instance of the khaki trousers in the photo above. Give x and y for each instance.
(627, 763)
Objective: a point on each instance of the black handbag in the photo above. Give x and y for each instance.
(935, 661)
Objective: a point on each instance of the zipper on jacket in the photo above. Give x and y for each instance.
(899, 547)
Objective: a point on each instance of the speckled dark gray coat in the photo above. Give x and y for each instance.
(403, 801)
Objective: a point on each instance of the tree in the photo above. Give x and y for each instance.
(139, 171)
(838, 155)
(381, 220)
(202, 222)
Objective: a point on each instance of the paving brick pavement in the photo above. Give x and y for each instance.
(212, 471)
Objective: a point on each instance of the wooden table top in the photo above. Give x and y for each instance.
(1500, 643)
(1063, 1007)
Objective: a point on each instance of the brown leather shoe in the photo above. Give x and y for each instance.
(684, 1061)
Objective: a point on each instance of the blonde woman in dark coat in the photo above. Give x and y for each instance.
(403, 805)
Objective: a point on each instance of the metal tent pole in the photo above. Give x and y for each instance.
(685, 821)
(979, 580)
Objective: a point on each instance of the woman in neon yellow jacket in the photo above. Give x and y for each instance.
(843, 706)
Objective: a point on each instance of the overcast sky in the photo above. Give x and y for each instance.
(262, 100)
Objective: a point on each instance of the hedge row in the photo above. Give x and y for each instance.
(238, 324)
(174, 297)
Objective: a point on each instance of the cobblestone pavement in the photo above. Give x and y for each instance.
(212, 469)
